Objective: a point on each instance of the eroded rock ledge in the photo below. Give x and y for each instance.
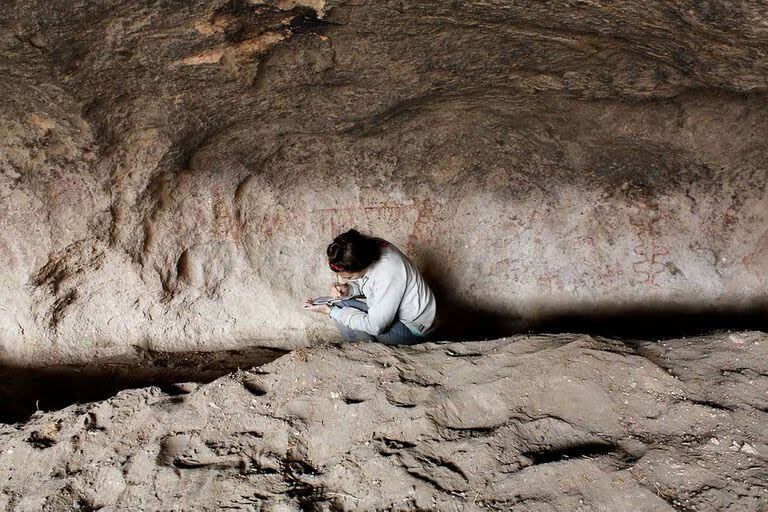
(564, 422)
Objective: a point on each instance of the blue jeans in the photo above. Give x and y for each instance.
(396, 334)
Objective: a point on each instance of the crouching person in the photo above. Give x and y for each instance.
(399, 306)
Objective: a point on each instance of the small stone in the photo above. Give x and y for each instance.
(747, 448)
(38, 40)
(185, 387)
(46, 436)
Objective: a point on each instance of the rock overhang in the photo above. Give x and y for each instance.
(171, 175)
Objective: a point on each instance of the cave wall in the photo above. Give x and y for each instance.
(171, 172)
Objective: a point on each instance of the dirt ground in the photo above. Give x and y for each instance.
(528, 423)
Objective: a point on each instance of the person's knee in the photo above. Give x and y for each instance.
(396, 340)
(397, 334)
(349, 334)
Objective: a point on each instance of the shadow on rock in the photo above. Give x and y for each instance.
(461, 320)
(23, 390)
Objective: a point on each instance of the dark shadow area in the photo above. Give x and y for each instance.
(461, 320)
(465, 323)
(655, 323)
(23, 390)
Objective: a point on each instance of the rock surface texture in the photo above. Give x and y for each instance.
(171, 172)
(529, 423)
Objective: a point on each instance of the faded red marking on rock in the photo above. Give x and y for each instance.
(756, 261)
(226, 224)
(648, 267)
(650, 250)
(550, 280)
(609, 274)
(270, 224)
(423, 227)
(334, 220)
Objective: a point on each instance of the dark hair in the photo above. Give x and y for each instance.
(353, 252)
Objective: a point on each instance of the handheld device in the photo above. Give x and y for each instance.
(318, 301)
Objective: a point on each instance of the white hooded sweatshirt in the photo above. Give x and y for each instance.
(394, 290)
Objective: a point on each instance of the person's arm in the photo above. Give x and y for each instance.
(383, 304)
(346, 290)
(354, 289)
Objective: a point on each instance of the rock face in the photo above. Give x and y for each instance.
(171, 173)
(542, 423)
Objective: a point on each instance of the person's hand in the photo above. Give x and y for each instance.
(339, 290)
(320, 308)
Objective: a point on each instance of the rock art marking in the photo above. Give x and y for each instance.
(413, 222)
(649, 267)
(757, 259)
(650, 250)
(226, 224)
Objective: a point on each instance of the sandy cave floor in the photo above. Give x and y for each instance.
(535, 422)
